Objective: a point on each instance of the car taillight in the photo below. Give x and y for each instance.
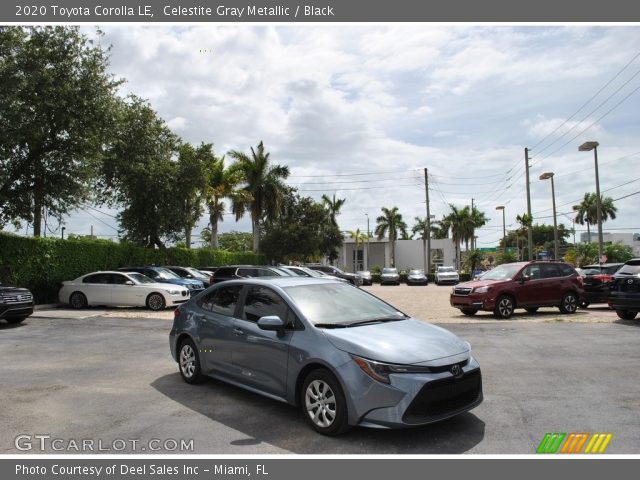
(603, 278)
(581, 281)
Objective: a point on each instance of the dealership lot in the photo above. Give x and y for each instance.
(107, 375)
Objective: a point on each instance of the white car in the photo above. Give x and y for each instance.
(121, 289)
(447, 275)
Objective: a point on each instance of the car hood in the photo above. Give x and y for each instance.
(11, 289)
(183, 281)
(479, 283)
(389, 274)
(404, 342)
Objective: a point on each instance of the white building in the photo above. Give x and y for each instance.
(409, 254)
(630, 239)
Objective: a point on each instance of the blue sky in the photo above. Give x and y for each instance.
(389, 100)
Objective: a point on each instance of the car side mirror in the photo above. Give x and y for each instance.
(524, 278)
(189, 275)
(271, 323)
(129, 282)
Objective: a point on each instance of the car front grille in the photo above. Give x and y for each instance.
(10, 298)
(440, 398)
(629, 285)
(461, 291)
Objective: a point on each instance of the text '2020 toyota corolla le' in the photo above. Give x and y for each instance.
(343, 355)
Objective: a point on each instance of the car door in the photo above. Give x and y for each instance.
(214, 316)
(123, 294)
(97, 289)
(260, 356)
(552, 289)
(530, 291)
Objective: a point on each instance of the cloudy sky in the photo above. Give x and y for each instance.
(360, 111)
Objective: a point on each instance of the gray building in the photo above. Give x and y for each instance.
(409, 254)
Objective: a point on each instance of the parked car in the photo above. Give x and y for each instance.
(446, 275)
(164, 275)
(365, 277)
(16, 303)
(528, 285)
(624, 293)
(308, 272)
(336, 272)
(417, 277)
(389, 275)
(342, 355)
(231, 272)
(192, 273)
(121, 289)
(596, 280)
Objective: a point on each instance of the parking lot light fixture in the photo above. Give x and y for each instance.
(549, 176)
(504, 228)
(586, 147)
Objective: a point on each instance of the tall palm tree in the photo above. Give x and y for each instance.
(359, 237)
(460, 225)
(333, 207)
(390, 223)
(221, 183)
(525, 222)
(477, 219)
(264, 188)
(587, 211)
(440, 228)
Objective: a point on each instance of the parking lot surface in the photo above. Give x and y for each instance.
(108, 375)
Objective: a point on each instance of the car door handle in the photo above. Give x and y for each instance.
(238, 331)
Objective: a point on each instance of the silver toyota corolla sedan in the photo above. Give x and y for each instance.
(342, 355)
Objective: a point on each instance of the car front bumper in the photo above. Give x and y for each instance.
(394, 279)
(451, 280)
(625, 301)
(16, 310)
(411, 400)
(471, 301)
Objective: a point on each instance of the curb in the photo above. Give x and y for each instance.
(47, 306)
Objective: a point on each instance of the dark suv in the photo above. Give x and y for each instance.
(528, 285)
(16, 304)
(164, 275)
(597, 279)
(624, 293)
(336, 272)
(232, 272)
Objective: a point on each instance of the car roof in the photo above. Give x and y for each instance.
(595, 265)
(282, 282)
(106, 271)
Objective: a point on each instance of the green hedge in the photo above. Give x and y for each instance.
(42, 264)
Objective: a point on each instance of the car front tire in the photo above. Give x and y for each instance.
(504, 307)
(626, 314)
(569, 303)
(155, 302)
(323, 403)
(189, 363)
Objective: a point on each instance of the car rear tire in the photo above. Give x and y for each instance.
(532, 309)
(626, 314)
(77, 300)
(323, 403)
(15, 320)
(504, 307)
(189, 363)
(569, 303)
(469, 311)
(155, 302)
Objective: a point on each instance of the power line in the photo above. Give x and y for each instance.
(392, 179)
(324, 175)
(356, 188)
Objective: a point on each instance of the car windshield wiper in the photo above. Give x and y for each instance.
(376, 320)
(330, 325)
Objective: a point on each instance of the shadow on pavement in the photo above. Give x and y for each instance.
(282, 425)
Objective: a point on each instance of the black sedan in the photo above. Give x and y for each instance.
(624, 294)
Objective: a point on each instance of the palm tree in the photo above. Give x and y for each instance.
(440, 228)
(390, 223)
(587, 211)
(263, 188)
(458, 220)
(477, 219)
(420, 228)
(525, 222)
(359, 237)
(333, 207)
(222, 183)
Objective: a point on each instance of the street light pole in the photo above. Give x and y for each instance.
(504, 228)
(549, 176)
(585, 147)
(368, 235)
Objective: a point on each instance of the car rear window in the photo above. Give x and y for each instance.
(630, 268)
(224, 272)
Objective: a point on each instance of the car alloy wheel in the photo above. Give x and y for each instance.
(323, 403)
(77, 300)
(504, 307)
(626, 314)
(189, 362)
(569, 303)
(155, 302)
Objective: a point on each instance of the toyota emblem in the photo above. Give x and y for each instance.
(456, 371)
(630, 281)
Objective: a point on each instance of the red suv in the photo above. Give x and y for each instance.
(528, 285)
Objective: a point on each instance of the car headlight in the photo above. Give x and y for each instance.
(381, 371)
(173, 292)
(481, 290)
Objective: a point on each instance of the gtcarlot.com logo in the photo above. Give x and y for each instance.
(574, 443)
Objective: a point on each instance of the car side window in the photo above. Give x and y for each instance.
(91, 279)
(566, 270)
(533, 272)
(222, 300)
(118, 279)
(261, 302)
(248, 272)
(549, 270)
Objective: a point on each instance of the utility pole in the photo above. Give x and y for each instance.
(427, 254)
(529, 229)
(91, 231)
(473, 237)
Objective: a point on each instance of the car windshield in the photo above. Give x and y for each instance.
(339, 304)
(630, 268)
(502, 272)
(389, 270)
(165, 274)
(446, 269)
(416, 272)
(139, 278)
(196, 273)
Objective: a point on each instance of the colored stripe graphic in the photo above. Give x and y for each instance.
(573, 442)
(550, 442)
(598, 443)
